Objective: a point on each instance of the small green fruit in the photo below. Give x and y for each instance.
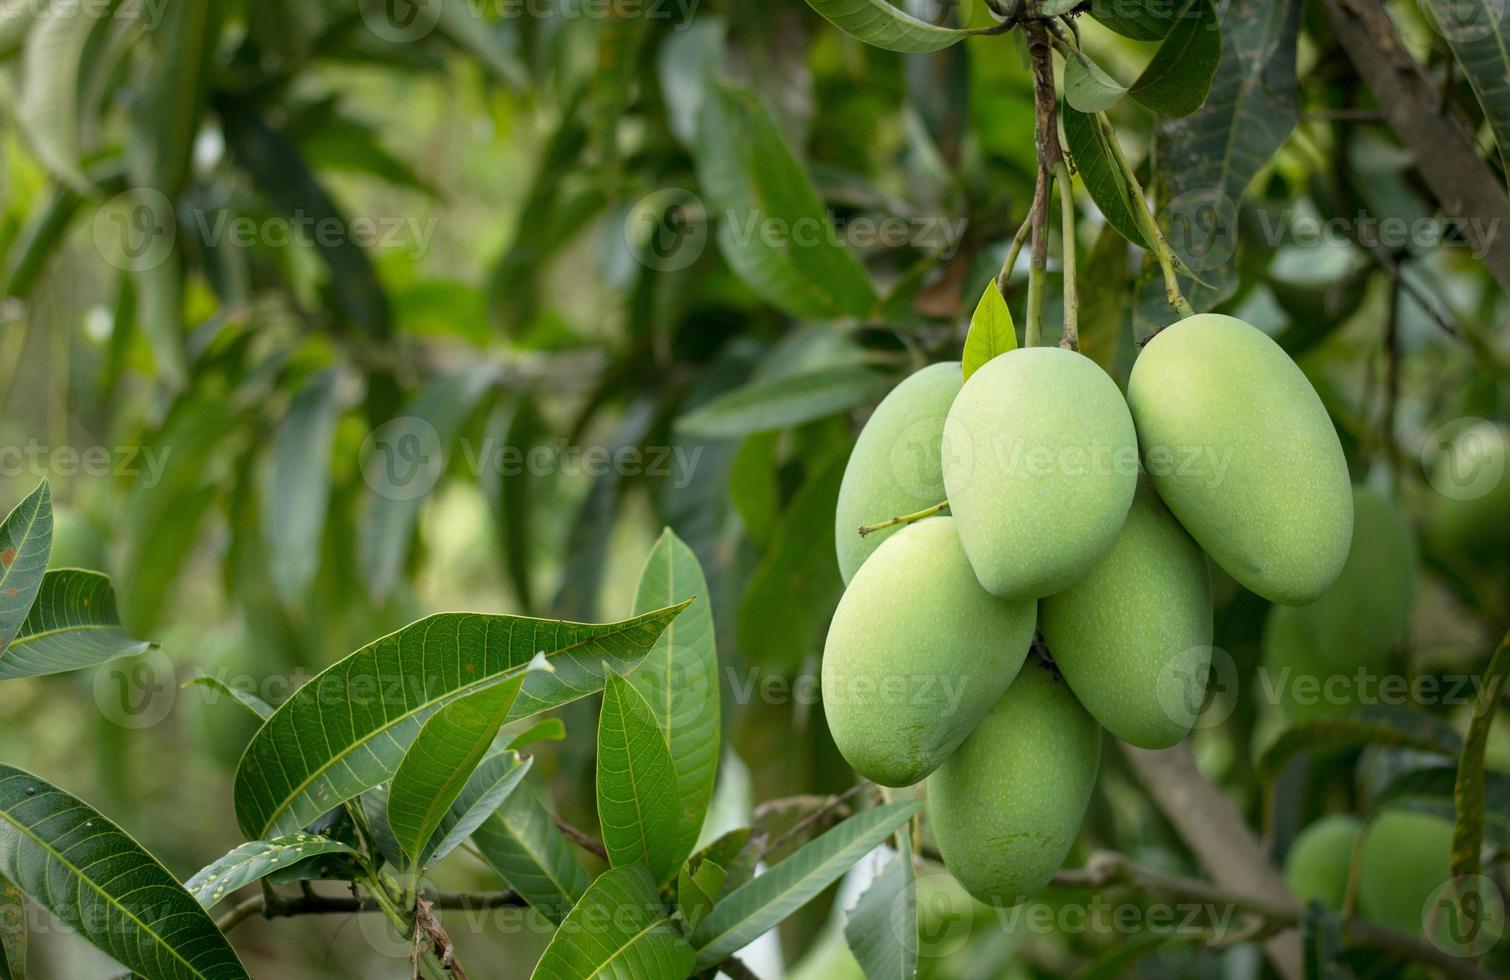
(1316, 868)
(1133, 638)
(1007, 805)
(1405, 857)
(1472, 483)
(1040, 464)
(1240, 447)
(916, 654)
(895, 467)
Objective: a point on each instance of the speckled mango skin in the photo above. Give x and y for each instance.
(895, 467)
(1240, 447)
(1040, 464)
(1404, 857)
(1007, 805)
(1133, 638)
(916, 654)
(1316, 867)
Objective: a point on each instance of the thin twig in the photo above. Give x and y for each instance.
(832, 804)
(315, 904)
(584, 840)
(1071, 338)
(1050, 157)
(1004, 277)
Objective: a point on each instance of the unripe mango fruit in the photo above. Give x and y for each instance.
(1040, 464)
(917, 653)
(1404, 858)
(1240, 447)
(1006, 806)
(1133, 638)
(894, 468)
(1292, 674)
(1316, 867)
(1471, 480)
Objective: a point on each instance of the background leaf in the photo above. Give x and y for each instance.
(71, 625)
(637, 791)
(618, 929)
(1476, 32)
(1468, 792)
(882, 929)
(298, 486)
(886, 26)
(1377, 724)
(785, 401)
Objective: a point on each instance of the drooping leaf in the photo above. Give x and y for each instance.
(1176, 81)
(71, 625)
(637, 794)
(297, 493)
(175, 72)
(246, 699)
(52, 67)
(618, 929)
(1100, 173)
(697, 888)
(521, 843)
(886, 26)
(13, 937)
(1468, 793)
(770, 223)
(882, 929)
(546, 730)
(680, 677)
(1087, 86)
(91, 875)
(495, 778)
(1377, 724)
(1139, 21)
(1431, 789)
(346, 730)
(25, 544)
(256, 860)
(785, 401)
(755, 907)
(441, 759)
(992, 331)
(1479, 37)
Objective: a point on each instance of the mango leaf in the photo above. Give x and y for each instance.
(52, 64)
(441, 759)
(771, 225)
(160, 301)
(785, 401)
(495, 778)
(697, 889)
(16, 20)
(521, 842)
(882, 929)
(1177, 80)
(1476, 32)
(257, 859)
(737, 852)
(459, 21)
(1468, 793)
(618, 929)
(880, 23)
(174, 85)
(12, 932)
(680, 677)
(297, 492)
(637, 797)
(1121, 959)
(71, 625)
(91, 875)
(346, 730)
(1087, 86)
(991, 330)
(753, 908)
(246, 699)
(1431, 789)
(1100, 173)
(548, 730)
(25, 544)
(1139, 21)
(39, 241)
(1377, 724)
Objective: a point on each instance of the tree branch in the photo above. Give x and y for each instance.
(585, 840)
(316, 904)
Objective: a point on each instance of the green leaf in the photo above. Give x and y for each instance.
(1087, 87)
(1120, 960)
(521, 842)
(697, 888)
(758, 906)
(737, 853)
(459, 21)
(346, 730)
(1368, 725)
(991, 330)
(882, 929)
(495, 778)
(771, 225)
(637, 797)
(71, 625)
(16, 20)
(785, 401)
(1475, 30)
(41, 239)
(91, 875)
(618, 929)
(12, 932)
(160, 298)
(25, 544)
(1099, 172)
(886, 26)
(1468, 792)
(680, 677)
(257, 859)
(1432, 789)
(1139, 21)
(246, 699)
(52, 67)
(442, 758)
(173, 88)
(1177, 80)
(297, 492)
(548, 730)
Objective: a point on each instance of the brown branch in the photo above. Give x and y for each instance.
(586, 841)
(830, 805)
(1046, 140)
(316, 904)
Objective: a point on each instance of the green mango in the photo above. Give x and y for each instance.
(1404, 858)
(1007, 805)
(1133, 638)
(1316, 867)
(916, 654)
(1471, 478)
(895, 467)
(1040, 465)
(1240, 447)
(1294, 677)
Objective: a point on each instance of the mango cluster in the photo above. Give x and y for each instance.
(1068, 590)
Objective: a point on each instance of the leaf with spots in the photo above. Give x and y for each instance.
(256, 860)
(347, 730)
(93, 876)
(72, 625)
(619, 929)
(637, 802)
(25, 543)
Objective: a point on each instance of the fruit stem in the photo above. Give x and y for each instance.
(1151, 229)
(903, 519)
(1004, 277)
(1071, 338)
(1050, 156)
